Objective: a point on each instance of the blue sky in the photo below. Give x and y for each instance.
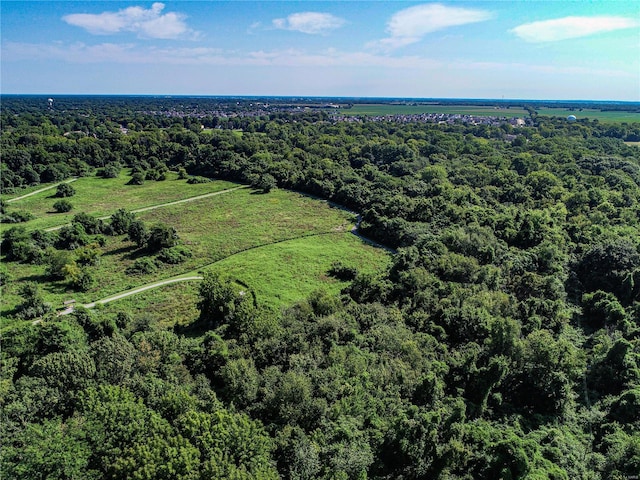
(462, 49)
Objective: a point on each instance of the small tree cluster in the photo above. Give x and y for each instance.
(65, 190)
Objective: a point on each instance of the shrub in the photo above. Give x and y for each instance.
(137, 179)
(342, 272)
(162, 236)
(62, 206)
(142, 266)
(197, 179)
(110, 171)
(17, 217)
(65, 190)
(174, 255)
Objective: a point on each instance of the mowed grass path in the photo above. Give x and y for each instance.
(102, 197)
(218, 227)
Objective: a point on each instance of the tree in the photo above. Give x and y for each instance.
(121, 221)
(264, 183)
(130, 440)
(607, 265)
(161, 236)
(221, 300)
(33, 304)
(231, 444)
(62, 206)
(138, 233)
(65, 190)
(52, 449)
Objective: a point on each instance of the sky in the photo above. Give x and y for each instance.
(519, 49)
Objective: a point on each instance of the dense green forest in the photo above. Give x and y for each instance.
(502, 342)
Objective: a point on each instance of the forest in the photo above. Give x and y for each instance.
(502, 341)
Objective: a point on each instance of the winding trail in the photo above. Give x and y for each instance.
(128, 293)
(35, 192)
(161, 205)
(177, 279)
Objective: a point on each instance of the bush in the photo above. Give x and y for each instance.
(110, 171)
(62, 206)
(342, 272)
(33, 305)
(197, 179)
(162, 236)
(17, 217)
(65, 190)
(137, 179)
(174, 255)
(265, 183)
(121, 221)
(84, 281)
(142, 266)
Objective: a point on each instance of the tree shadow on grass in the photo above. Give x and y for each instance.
(120, 251)
(195, 329)
(36, 278)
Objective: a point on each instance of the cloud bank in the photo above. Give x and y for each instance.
(147, 23)
(411, 24)
(571, 27)
(313, 23)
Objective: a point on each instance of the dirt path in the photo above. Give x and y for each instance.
(161, 205)
(40, 190)
(135, 291)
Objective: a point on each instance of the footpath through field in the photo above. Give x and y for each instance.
(35, 192)
(161, 205)
(182, 278)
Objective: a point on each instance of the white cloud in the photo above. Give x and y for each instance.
(147, 23)
(80, 53)
(571, 27)
(309, 22)
(411, 24)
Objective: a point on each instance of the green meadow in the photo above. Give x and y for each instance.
(101, 197)
(281, 244)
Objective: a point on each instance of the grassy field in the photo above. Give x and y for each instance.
(271, 271)
(267, 270)
(390, 109)
(102, 197)
(281, 244)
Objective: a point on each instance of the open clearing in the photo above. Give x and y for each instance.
(281, 244)
(101, 197)
(270, 271)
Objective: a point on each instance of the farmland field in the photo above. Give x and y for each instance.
(401, 109)
(391, 109)
(605, 117)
